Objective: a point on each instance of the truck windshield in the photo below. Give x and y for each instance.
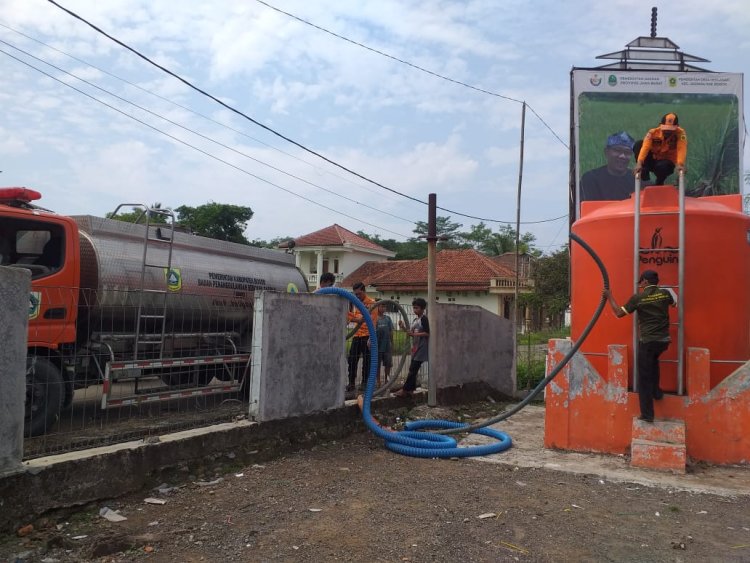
(35, 245)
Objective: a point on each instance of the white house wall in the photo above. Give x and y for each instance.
(489, 302)
(350, 261)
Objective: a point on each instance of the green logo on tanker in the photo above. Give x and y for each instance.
(291, 287)
(35, 303)
(173, 278)
(612, 80)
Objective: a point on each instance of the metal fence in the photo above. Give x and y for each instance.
(110, 366)
(117, 366)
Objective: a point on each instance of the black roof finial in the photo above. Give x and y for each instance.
(653, 21)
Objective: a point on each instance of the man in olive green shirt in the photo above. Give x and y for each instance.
(652, 304)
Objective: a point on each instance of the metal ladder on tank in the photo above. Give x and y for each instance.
(159, 315)
(637, 252)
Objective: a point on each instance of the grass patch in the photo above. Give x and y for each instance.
(541, 336)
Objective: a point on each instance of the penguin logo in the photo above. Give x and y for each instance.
(173, 279)
(291, 287)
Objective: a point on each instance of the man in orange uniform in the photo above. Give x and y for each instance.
(662, 149)
(360, 345)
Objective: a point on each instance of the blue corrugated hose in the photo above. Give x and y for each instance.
(411, 441)
(439, 444)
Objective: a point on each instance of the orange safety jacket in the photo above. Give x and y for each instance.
(353, 316)
(673, 149)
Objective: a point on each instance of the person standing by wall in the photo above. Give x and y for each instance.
(360, 345)
(384, 329)
(420, 335)
(662, 149)
(652, 304)
(327, 280)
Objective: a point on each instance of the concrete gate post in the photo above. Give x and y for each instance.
(15, 285)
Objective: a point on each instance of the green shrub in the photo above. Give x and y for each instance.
(529, 374)
(542, 336)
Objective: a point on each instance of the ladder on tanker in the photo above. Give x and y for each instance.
(151, 322)
(638, 252)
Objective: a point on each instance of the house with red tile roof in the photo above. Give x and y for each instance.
(337, 250)
(464, 277)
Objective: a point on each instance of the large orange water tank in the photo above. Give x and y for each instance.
(717, 275)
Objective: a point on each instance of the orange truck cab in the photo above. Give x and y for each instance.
(46, 244)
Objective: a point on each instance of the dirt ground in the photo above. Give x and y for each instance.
(354, 500)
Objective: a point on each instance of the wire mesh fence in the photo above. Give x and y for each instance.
(108, 366)
(531, 356)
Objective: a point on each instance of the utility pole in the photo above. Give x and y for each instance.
(431, 293)
(518, 220)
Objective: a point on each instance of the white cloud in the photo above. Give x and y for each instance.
(402, 127)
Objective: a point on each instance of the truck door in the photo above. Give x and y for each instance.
(49, 249)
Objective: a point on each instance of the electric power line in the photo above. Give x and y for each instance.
(186, 108)
(258, 123)
(204, 152)
(206, 137)
(415, 66)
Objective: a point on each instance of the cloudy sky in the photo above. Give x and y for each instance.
(401, 127)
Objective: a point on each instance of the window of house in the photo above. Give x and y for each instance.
(335, 265)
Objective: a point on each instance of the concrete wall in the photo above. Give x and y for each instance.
(471, 347)
(15, 284)
(77, 478)
(299, 364)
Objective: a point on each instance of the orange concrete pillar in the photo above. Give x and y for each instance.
(698, 373)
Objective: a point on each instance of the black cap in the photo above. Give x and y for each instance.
(651, 276)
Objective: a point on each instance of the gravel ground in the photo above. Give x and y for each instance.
(355, 501)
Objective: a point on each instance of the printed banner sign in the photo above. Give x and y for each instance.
(614, 109)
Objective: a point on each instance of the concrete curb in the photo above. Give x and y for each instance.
(77, 478)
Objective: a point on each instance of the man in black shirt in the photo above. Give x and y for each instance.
(615, 180)
(652, 304)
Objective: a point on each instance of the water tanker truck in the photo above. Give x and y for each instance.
(114, 300)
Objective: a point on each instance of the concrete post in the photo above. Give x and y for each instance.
(319, 267)
(15, 285)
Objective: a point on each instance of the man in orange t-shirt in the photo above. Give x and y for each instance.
(663, 148)
(360, 345)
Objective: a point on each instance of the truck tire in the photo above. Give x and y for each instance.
(44, 395)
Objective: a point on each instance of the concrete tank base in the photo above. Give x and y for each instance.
(592, 412)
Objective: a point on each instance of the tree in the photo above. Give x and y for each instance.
(550, 297)
(138, 216)
(217, 220)
(444, 228)
(412, 249)
(483, 239)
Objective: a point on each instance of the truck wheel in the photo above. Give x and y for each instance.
(44, 395)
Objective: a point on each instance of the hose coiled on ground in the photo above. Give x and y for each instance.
(412, 441)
